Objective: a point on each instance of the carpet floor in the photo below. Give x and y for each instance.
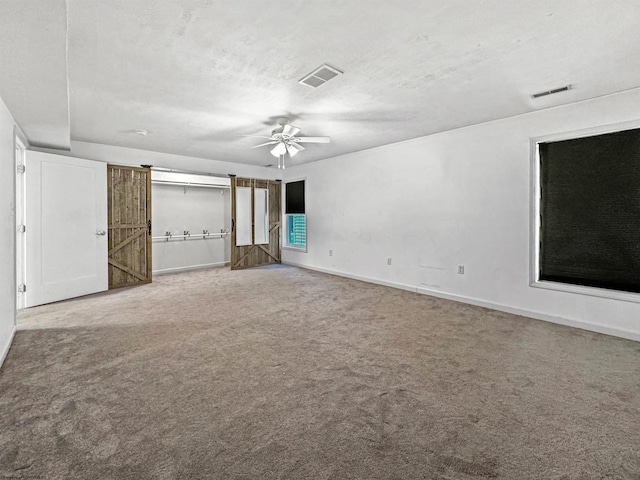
(284, 373)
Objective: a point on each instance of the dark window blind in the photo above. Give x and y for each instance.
(294, 197)
(590, 211)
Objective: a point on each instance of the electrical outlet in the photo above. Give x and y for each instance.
(331, 253)
(460, 269)
(388, 260)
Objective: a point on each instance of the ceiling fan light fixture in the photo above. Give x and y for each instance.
(292, 151)
(279, 149)
(294, 148)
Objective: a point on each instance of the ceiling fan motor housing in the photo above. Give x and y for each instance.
(282, 137)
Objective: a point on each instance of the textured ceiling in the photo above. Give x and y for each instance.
(198, 74)
(33, 69)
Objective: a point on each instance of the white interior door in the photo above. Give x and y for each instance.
(66, 224)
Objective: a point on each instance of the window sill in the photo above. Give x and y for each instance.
(590, 291)
(295, 249)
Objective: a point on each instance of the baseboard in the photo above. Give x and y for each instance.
(5, 348)
(592, 327)
(189, 268)
(386, 283)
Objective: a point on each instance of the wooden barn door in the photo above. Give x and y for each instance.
(129, 218)
(255, 222)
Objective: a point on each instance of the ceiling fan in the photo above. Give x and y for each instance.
(285, 141)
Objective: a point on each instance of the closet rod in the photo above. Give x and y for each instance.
(187, 184)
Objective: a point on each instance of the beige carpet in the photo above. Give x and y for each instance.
(282, 373)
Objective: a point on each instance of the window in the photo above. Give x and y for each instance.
(297, 231)
(588, 213)
(296, 218)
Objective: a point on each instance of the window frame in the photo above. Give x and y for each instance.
(534, 215)
(285, 218)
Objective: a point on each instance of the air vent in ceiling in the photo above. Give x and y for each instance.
(320, 76)
(551, 92)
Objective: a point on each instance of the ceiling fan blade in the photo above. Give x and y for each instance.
(313, 139)
(289, 130)
(263, 144)
(255, 136)
(296, 147)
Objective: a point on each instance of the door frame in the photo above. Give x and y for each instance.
(20, 149)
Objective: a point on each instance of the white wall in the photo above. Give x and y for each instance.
(7, 232)
(134, 157)
(458, 197)
(178, 208)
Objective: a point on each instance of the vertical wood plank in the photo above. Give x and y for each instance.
(135, 214)
(234, 249)
(146, 185)
(110, 229)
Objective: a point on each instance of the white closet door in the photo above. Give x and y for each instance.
(66, 224)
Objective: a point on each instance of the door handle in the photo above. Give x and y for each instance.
(101, 232)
